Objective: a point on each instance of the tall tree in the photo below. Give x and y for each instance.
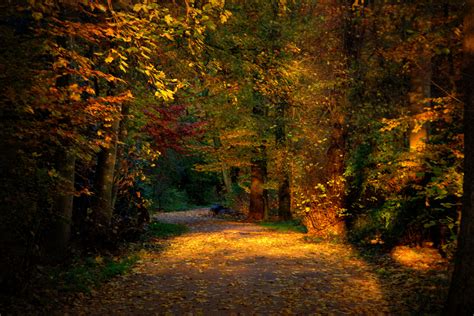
(461, 293)
(323, 214)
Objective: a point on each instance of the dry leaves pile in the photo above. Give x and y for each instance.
(230, 268)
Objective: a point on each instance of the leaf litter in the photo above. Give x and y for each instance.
(221, 267)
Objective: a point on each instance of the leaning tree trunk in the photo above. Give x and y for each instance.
(461, 293)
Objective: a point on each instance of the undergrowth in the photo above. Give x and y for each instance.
(86, 273)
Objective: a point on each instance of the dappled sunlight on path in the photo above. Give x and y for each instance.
(222, 267)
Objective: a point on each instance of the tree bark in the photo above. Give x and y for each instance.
(104, 183)
(461, 293)
(120, 167)
(224, 168)
(226, 178)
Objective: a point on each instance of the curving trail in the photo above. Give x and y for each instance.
(229, 268)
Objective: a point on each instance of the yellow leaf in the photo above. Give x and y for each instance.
(75, 97)
(109, 32)
(168, 36)
(168, 19)
(223, 18)
(37, 16)
(109, 59)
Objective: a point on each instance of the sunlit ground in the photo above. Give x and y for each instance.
(416, 258)
(228, 268)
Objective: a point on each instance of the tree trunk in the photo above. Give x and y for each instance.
(226, 178)
(104, 183)
(120, 165)
(461, 293)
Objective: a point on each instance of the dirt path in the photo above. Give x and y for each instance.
(230, 268)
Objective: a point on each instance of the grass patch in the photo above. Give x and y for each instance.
(90, 272)
(163, 230)
(285, 226)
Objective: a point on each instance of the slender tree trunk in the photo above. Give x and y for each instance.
(122, 136)
(104, 184)
(226, 178)
(224, 168)
(461, 293)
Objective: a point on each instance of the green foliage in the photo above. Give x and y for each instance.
(396, 193)
(173, 184)
(90, 272)
(285, 226)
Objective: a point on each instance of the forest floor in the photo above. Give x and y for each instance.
(221, 267)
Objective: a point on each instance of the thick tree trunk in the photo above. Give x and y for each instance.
(461, 293)
(58, 236)
(258, 207)
(104, 183)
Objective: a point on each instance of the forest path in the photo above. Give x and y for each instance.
(229, 268)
